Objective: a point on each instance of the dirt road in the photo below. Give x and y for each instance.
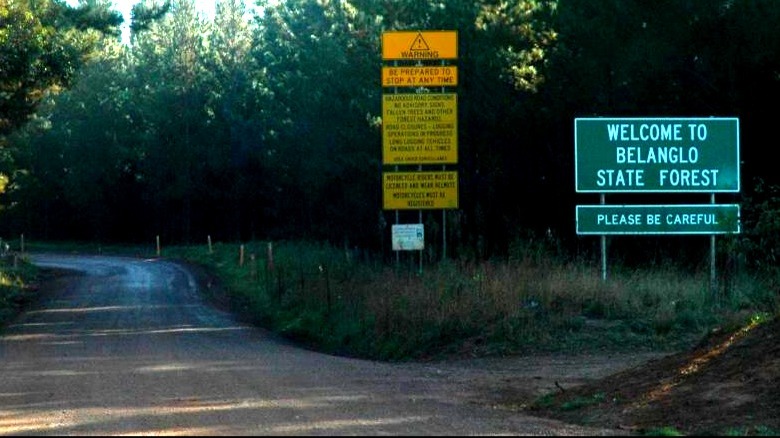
(129, 347)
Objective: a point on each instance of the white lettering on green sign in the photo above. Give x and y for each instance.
(658, 219)
(657, 155)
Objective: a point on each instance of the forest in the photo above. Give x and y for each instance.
(265, 120)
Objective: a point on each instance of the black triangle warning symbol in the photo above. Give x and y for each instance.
(419, 43)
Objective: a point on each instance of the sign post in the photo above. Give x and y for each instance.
(421, 127)
(657, 155)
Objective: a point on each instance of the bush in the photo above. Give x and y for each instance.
(531, 301)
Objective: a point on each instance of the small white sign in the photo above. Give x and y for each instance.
(408, 237)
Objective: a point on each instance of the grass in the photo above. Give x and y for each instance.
(345, 303)
(17, 278)
(325, 297)
(342, 302)
(581, 402)
(663, 431)
(752, 431)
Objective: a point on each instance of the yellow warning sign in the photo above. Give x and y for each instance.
(420, 45)
(420, 128)
(420, 190)
(437, 76)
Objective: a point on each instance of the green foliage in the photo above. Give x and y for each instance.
(751, 431)
(143, 15)
(581, 402)
(88, 15)
(16, 291)
(544, 402)
(548, 401)
(266, 123)
(762, 223)
(662, 431)
(522, 33)
(42, 45)
(323, 296)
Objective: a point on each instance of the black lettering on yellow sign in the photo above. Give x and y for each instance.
(416, 76)
(419, 43)
(420, 190)
(416, 45)
(419, 128)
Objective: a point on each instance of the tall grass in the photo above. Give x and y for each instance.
(17, 278)
(338, 302)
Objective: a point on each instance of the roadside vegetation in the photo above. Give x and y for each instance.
(530, 301)
(343, 302)
(536, 300)
(722, 386)
(278, 136)
(17, 285)
(278, 139)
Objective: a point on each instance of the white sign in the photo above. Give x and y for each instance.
(408, 237)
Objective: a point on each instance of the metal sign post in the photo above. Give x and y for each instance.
(603, 246)
(657, 155)
(420, 128)
(713, 281)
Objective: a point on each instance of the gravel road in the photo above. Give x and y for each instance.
(127, 346)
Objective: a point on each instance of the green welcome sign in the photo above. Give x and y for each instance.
(656, 154)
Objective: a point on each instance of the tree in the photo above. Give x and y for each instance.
(236, 183)
(171, 86)
(43, 43)
(322, 63)
(273, 128)
(143, 15)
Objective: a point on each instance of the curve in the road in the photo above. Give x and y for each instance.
(127, 346)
